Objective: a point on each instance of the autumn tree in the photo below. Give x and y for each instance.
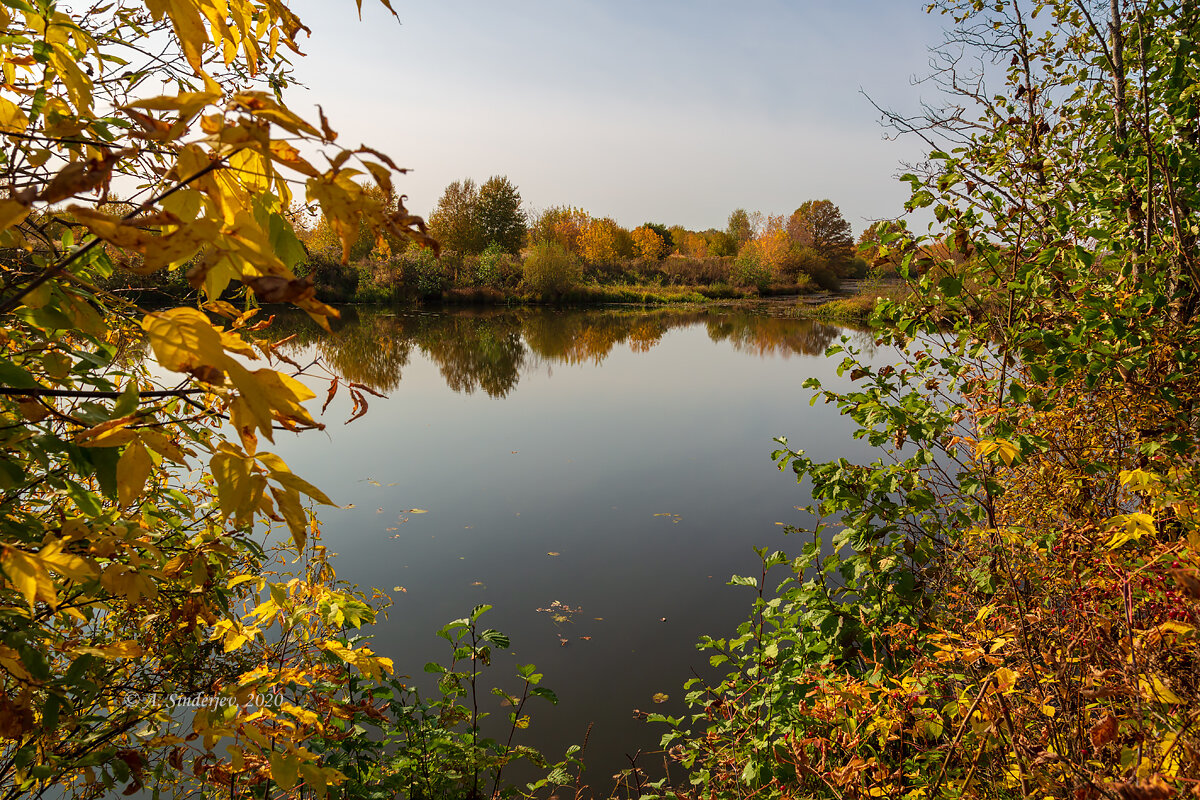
(124, 575)
(665, 234)
(598, 240)
(819, 224)
(648, 244)
(559, 224)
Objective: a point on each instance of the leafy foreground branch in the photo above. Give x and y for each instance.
(1006, 603)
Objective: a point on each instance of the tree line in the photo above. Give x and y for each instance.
(491, 239)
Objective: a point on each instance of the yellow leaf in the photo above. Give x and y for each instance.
(66, 564)
(1131, 527)
(12, 119)
(28, 577)
(293, 514)
(12, 213)
(184, 340)
(1004, 448)
(1157, 691)
(1139, 480)
(234, 485)
(1006, 679)
(283, 770)
(125, 649)
(133, 469)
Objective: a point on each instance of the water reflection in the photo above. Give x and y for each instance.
(490, 349)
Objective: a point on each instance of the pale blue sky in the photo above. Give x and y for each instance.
(639, 110)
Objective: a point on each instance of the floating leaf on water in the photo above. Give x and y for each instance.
(374, 483)
(417, 511)
(552, 553)
(393, 529)
(379, 511)
(477, 583)
(586, 638)
(348, 505)
(391, 484)
(598, 619)
(660, 698)
(400, 589)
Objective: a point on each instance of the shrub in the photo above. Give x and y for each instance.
(487, 268)
(749, 270)
(550, 269)
(423, 270)
(826, 279)
(334, 281)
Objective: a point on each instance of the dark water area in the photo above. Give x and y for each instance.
(615, 463)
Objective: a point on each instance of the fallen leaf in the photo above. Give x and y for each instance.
(660, 698)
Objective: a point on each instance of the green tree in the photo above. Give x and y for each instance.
(456, 221)
(739, 227)
(499, 215)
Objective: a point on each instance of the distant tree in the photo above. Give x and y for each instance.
(598, 241)
(819, 224)
(561, 225)
(739, 228)
(662, 230)
(720, 243)
(693, 244)
(455, 221)
(499, 216)
(648, 244)
(774, 242)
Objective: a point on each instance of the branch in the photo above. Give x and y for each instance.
(7, 391)
(11, 303)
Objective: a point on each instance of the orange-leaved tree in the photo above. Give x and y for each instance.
(131, 496)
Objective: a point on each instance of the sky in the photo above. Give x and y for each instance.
(640, 110)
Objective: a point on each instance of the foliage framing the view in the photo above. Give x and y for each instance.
(150, 136)
(1006, 604)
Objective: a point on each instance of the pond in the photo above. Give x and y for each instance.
(596, 476)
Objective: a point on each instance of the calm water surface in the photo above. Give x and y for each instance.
(613, 462)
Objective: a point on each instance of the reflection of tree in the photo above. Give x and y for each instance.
(764, 336)
(369, 352)
(488, 349)
(476, 352)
